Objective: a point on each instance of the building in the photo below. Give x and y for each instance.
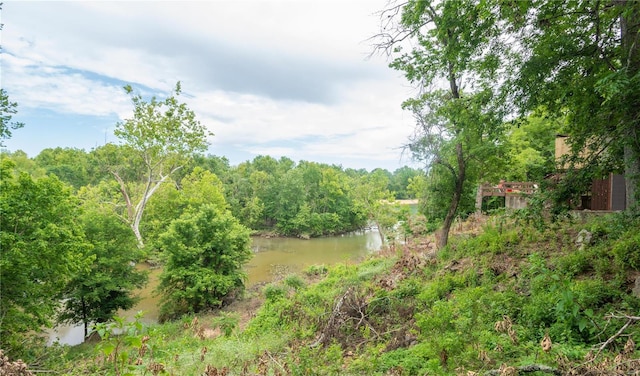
(607, 193)
(515, 193)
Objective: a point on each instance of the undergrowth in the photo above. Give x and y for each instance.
(513, 297)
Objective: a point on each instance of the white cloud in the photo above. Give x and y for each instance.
(262, 74)
(68, 92)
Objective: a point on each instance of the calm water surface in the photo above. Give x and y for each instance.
(273, 257)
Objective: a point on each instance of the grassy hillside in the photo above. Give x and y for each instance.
(506, 299)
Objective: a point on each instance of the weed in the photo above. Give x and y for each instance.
(121, 343)
(274, 292)
(227, 322)
(294, 281)
(316, 270)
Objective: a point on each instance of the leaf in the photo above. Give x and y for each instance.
(107, 348)
(582, 323)
(134, 341)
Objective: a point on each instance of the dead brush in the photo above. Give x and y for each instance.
(506, 326)
(155, 368)
(13, 368)
(213, 371)
(356, 321)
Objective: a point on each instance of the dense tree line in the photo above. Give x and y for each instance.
(265, 194)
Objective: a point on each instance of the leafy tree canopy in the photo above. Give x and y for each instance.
(206, 250)
(43, 246)
(95, 294)
(160, 138)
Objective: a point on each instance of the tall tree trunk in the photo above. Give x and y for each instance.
(443, 237)
(632, 174)
(630, 40)
(380, 232)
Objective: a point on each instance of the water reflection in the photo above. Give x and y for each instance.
(281, 256)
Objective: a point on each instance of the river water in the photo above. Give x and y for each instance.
(272, 258)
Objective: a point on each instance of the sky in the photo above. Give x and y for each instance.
(267, 77)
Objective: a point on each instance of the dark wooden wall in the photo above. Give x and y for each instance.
(601, 194)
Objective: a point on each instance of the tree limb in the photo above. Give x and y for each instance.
(123, 190)
(630, 320)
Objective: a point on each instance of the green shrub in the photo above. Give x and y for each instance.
(370, 269)
(409, 361)
(439, 288)
(294, 281)
(206, 250)
(576, 263)
(227, 322)
(609, 227)
(315, 270)
(274, 292)
(626, 251)
(408, 288)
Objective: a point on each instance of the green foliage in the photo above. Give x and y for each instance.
(227, 322)
(459, 126)
(464, 310)
(7, 110)
(199, 187)
(72, 166)
(122, 342)
(273, 292)
(162, 129)
(531, 149)
(22, 163)
(626, 251)
(371, 199)
(95, 294)
(496, 239)
(310, 199)
(315, 270)
(563, 307)
(400, 180)
(294, 281)
(573, 68)
(205, 252)
(43, 246)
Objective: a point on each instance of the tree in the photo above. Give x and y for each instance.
(7, 110)
(23, 163)
(530, 144)
(198, 188)
(455, 60)
(370, 193)
(42, 249)
(161, 136)
(72, 166)
(289, 197)
(95, 294)
(400, 180)
(580, 61)
(206, 250)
